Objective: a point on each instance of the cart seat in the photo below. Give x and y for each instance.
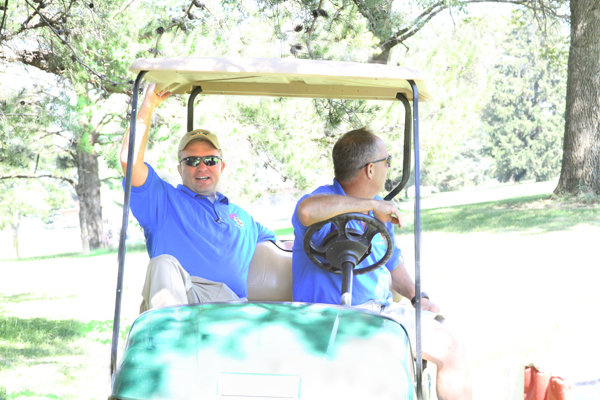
(270, 274)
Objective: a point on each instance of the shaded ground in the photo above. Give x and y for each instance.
(60, 312)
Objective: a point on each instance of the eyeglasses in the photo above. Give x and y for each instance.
(194, 161)
(388, 159)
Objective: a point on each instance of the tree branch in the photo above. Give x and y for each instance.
(261, 151)
(60, 178)
(111, 179)
(45, 59)
(54, 133)
(4, 11)
(538, 6)
(123, 9)
(74, 53)
(310, 30)
(105, 120)
(24, 25)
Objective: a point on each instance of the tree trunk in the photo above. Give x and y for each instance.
(580, 173)
(15, 229)
(90, 206)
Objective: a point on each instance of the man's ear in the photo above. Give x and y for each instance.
(222, 165)
(179, 170)
(370, 170)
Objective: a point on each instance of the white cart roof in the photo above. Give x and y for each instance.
(289, 77)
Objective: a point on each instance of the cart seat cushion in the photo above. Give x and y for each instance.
(270, 274)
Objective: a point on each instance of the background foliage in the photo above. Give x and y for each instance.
(524, 117)
(74, 98)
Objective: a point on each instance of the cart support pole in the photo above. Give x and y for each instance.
(123, 237)
(190, 108)
(406, 151)
(417, 240)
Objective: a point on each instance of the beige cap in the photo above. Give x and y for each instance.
(198, 134)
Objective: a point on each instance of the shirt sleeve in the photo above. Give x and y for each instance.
(300, 229)
(392, 263)
(320, 190)
(265, 234)
(149, 201)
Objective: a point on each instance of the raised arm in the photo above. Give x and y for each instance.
(144, 117)
(321, 207)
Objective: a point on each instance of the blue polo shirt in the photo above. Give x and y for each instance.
(314, 285)
(214, 241)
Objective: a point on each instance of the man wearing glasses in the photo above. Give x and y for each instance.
(200, 245)
(361, 164)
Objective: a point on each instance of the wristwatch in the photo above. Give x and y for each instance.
(413, 301)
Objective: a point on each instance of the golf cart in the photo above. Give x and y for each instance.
(272, 347)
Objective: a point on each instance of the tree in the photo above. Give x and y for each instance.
(392, 26)
(524, 116)
(87, 46)
(324, 24)
(20, 200)
(43, 141)
(62, 39)
(12, 211)
(458, 60)
(580, 173)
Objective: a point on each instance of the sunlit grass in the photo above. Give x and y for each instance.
(93, 253)
(536, 213)
(40, 338)
(25, 394)
(36, 338)
(284, 231)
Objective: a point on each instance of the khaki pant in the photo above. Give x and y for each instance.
(168, 284)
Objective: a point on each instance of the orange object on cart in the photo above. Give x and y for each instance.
(543, 386)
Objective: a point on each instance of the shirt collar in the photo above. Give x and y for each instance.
(221, 198)
(337, 187)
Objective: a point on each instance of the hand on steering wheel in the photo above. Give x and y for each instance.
(347, 244)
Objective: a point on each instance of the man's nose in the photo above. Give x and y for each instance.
(201, 166)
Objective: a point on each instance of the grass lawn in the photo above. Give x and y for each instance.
(56, 324)
(516, 279)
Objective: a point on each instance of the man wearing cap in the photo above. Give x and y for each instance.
(200, 245)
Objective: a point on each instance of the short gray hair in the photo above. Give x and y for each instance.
(353, 150)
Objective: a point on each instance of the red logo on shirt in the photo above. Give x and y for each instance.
(237, 220)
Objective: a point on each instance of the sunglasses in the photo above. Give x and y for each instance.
(194, 161)
(388, 159)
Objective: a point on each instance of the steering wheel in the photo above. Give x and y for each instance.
(346, 244)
